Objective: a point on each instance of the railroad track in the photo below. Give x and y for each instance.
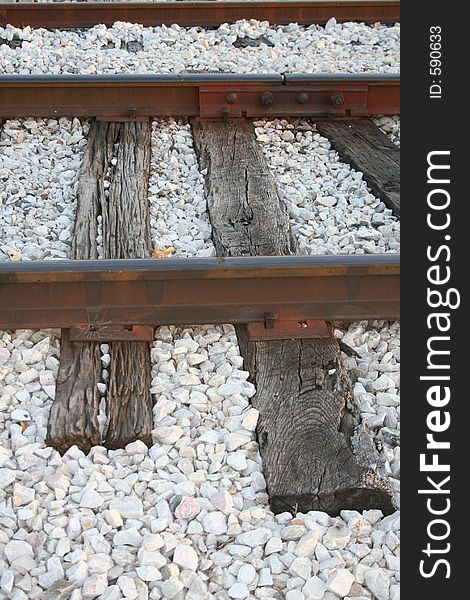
(188, 14)
(309, 434)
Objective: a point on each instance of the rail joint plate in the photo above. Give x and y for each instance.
(331, 100)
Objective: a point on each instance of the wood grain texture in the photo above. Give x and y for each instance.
(246, 213)
(119, 155)
(126, 235)
(316, 454)
(366, 148)
(73, 418)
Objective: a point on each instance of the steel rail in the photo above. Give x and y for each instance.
(204, 95)
(41, 294)
(188, 14)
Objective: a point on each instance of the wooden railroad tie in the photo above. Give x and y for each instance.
(125, 233)
(316, 454)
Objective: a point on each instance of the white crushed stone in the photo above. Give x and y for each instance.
(390, 126)
(331, 209)
(132, 48)
(40, 161)
(189, 516)
(178, 213)
(378, 344)
(115, 520)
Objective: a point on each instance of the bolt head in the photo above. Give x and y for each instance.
(267, 99)
(337, 99)
(231, 98)
(302, 98)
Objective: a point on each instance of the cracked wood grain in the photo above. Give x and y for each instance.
(117, 154)
(316, 453)
(73, 419)
(126, 235)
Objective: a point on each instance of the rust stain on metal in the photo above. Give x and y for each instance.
(175, 292)
(202, 96)
(188, 14)
(264, 101)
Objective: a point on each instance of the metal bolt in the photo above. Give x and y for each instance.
(226, 115)
(337, 99)
(132, 112)
(269, 319)
(267, 99)
(231, 98)
(302, 98)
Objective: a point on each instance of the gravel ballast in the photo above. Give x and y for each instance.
(187, 518)
(39, 167)
(178, 214)
(331, 208)
(243, 47)
(390, 126)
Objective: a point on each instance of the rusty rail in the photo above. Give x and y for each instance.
(188, 14)
(63, 294)
(204, 95)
